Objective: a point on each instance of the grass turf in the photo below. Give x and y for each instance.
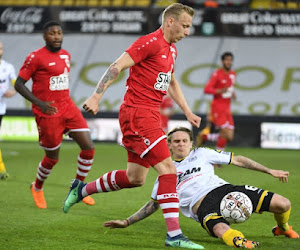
(23, 226)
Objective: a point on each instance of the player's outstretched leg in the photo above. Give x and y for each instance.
(181, 241)
(74, 195)
(240, 242)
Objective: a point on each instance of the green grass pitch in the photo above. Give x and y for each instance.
(23, 226)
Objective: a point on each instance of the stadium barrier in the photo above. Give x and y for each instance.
(250, 131)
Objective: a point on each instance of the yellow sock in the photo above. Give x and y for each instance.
(282, 220)
(229, 235)
(2, 166)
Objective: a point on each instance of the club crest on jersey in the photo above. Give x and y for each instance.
(60, 82)
(66, 58)
(163, 81)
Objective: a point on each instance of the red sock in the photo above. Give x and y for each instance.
(84, 163)
(168, 200)
(111, 181)
(44, 170)
(221, 143)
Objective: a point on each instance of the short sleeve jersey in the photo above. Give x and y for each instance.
(150, 77)
(50, 78)
(196, 177)
(7, 75)
(220, 79)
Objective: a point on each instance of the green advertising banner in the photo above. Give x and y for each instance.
(15, 128)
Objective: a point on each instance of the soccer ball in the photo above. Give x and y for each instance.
(236, 207)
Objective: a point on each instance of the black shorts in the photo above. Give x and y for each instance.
(209, 213)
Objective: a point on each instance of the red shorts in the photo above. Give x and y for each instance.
(143, 136)
(51, 129)
(164, 122)
(222, 118)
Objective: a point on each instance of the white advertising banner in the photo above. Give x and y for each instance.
(16, 128)
(280, 135)
(109, 129)
(268, 71)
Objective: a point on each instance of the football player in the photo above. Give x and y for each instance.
(7, 78)
(200, 191)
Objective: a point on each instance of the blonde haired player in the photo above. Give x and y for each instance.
(151, 59)
(7, 78)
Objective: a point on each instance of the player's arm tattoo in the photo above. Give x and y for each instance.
(111, 73)
(251, 164)
(144, 212)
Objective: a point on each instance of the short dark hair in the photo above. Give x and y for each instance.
(183, 129)
(225, 54)
(50, 24)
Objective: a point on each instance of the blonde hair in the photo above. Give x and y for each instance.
(175, 10)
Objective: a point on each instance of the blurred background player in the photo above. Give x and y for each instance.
(151, 59)
(7, 78)
(166, 109)
(55, 112)
(221, 86)
(201, 191)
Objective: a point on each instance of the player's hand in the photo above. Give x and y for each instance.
(10, 93)
(48, 108)
(233, 96)
(280, 174)
(194, 119)
(222, 90)
(91, 105)
(116, 224)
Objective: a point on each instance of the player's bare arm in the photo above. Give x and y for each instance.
(46, 107)
(148, 209)
(245, 162)
(111, 74)
(176, 94)
(91, 105)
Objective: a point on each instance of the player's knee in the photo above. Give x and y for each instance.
(230, 137)
(285, 204)
(219, 229)
(136, 181)
(280, 204)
